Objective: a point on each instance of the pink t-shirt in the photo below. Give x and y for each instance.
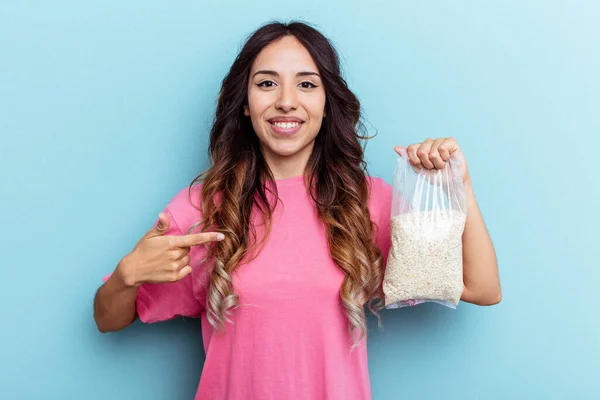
(289, 339)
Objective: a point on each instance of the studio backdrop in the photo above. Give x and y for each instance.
(105, 109)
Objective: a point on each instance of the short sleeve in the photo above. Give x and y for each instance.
(157, 302)
(381, 211)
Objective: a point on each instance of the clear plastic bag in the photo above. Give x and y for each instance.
(427, 221)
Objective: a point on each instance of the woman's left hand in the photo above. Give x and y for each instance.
(434, 154)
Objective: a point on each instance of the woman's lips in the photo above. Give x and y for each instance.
(283, 131)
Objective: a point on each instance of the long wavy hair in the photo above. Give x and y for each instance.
(335, 177)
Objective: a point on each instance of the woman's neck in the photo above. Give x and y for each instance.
(289, 166)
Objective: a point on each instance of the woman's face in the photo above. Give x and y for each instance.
(286, 103)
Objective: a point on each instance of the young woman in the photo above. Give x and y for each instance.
(304, 233)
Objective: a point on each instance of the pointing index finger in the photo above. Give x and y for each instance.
(195, 239)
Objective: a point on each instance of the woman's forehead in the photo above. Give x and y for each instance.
(284, 56)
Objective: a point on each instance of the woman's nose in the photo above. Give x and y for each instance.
(287, 99)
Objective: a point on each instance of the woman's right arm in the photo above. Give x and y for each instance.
(114, 304)
(160, 257)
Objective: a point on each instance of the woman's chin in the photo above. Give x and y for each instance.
(284, 151)
(286, 148)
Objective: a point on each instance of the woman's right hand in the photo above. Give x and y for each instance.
(157, 258)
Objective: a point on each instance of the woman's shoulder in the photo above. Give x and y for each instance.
(379, 187)
(186, 205)
(380, 197)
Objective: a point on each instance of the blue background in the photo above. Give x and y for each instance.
(104, 115)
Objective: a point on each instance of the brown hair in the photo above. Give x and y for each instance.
(335, 176)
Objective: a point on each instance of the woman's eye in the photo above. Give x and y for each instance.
(311, 85)
(305, 85)
(262, 84)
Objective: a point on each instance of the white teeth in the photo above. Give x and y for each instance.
(286, 125)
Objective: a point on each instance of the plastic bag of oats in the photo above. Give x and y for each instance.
(427, 221)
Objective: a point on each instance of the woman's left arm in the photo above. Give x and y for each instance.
(481, 280)
(480, 266)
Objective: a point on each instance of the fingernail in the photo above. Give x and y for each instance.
(220, 236)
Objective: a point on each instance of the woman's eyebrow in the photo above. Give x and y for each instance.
(275, 73)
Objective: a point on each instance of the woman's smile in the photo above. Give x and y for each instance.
(285, 128)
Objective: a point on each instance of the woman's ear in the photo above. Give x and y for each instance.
(246, 111)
